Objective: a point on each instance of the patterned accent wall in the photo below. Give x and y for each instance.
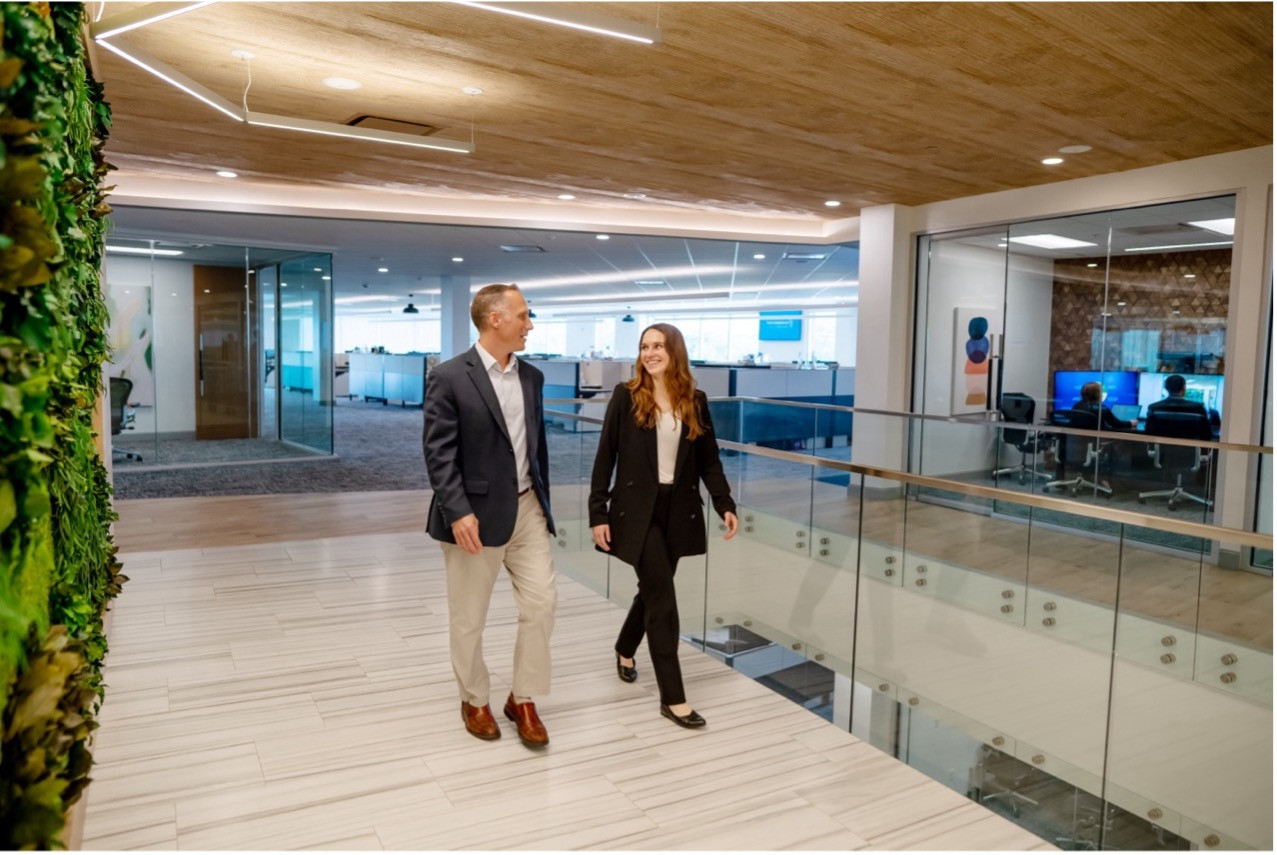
(1159, 295)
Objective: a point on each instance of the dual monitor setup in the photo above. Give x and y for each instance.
(1128, 393)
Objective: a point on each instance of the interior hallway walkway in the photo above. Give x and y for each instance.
(279, 679)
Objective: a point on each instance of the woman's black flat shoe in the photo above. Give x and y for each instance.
(692, 719)
(627, 673)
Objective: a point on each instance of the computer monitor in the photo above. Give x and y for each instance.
(1120, 387)
(1128, 412)
(1205, 388)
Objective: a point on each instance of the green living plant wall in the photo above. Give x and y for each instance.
(57, 563)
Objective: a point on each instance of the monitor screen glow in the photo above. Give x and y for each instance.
(1206, 388)
(1120, 387)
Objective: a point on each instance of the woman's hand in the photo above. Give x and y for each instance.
(602, 537)
(730, 519)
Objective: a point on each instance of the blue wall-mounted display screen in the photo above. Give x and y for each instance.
(780, 326)
(1120, 387)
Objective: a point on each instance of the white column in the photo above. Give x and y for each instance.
(882, 337)
(454, 315)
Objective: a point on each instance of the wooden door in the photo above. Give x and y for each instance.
(225, 394)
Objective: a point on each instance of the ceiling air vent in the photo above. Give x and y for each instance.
(523, 248)
(381, 123)
(805, 256)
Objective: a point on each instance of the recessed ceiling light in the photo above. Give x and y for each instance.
(383, 269)
(603, 237)
(326, 278)
(1075, 149)
(283, 284)
(758, 256)
(472, 90)
(457, 258)
(1002, 245)
(243, 54)
(342, 83)
(566, 197)
(634, 195)
(1121, 302)
(1190, 275)
(832, 203)
(1092, 264)
(1050, 241)
(208, 290)
(226, 173)
(1052, 161)
(319, 269)
(649, 282)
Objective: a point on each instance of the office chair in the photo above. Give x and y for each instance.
(122, 415)
(1079, 451)
(1007, 774)
(1017, 408)
(1180, 459)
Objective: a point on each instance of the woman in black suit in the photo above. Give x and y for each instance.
(658, 438)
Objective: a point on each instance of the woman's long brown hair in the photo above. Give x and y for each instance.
(678, 382)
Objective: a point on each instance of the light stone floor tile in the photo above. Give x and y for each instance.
(176, 731)
(160, 779)
(300, 696)
(131, 826)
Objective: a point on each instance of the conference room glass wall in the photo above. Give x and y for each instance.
(195, 334)
(1021, 316)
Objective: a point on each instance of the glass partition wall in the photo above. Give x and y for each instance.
(195, 330)
(1045, 656)
(1110, 328)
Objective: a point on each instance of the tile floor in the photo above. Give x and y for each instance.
(298, 695)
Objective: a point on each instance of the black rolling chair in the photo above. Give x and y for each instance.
(122, 414)
(1180, 459)
(1017, 408)
(1079, 452)
(1003, 777)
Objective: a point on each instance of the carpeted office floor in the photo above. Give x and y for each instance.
(378, 447)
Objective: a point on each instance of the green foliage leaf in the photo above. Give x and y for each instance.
(8, 505)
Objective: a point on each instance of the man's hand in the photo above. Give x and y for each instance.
(603, 537)
(730, 519)
(466, 532)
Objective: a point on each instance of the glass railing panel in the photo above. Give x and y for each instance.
(571, 458)
(766, 599)
(988, 667)
(1190, 743)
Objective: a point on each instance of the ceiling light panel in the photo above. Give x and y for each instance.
(1050, 241)
(1223, 227)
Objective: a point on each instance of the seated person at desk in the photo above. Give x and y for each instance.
(1093, 402)
(1175, 402)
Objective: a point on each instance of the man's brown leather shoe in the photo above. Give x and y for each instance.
(479, 721)
(531, 730)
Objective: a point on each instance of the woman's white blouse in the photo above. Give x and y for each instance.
(668, 430)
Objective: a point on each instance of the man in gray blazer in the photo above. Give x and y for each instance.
(484, 442)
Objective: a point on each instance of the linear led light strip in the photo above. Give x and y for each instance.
(152, 12)
(565, 15)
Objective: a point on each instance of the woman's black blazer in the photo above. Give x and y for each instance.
(628, 506)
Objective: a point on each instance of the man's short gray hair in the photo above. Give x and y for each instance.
(490, 298)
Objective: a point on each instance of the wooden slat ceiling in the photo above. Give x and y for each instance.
(765, 108)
